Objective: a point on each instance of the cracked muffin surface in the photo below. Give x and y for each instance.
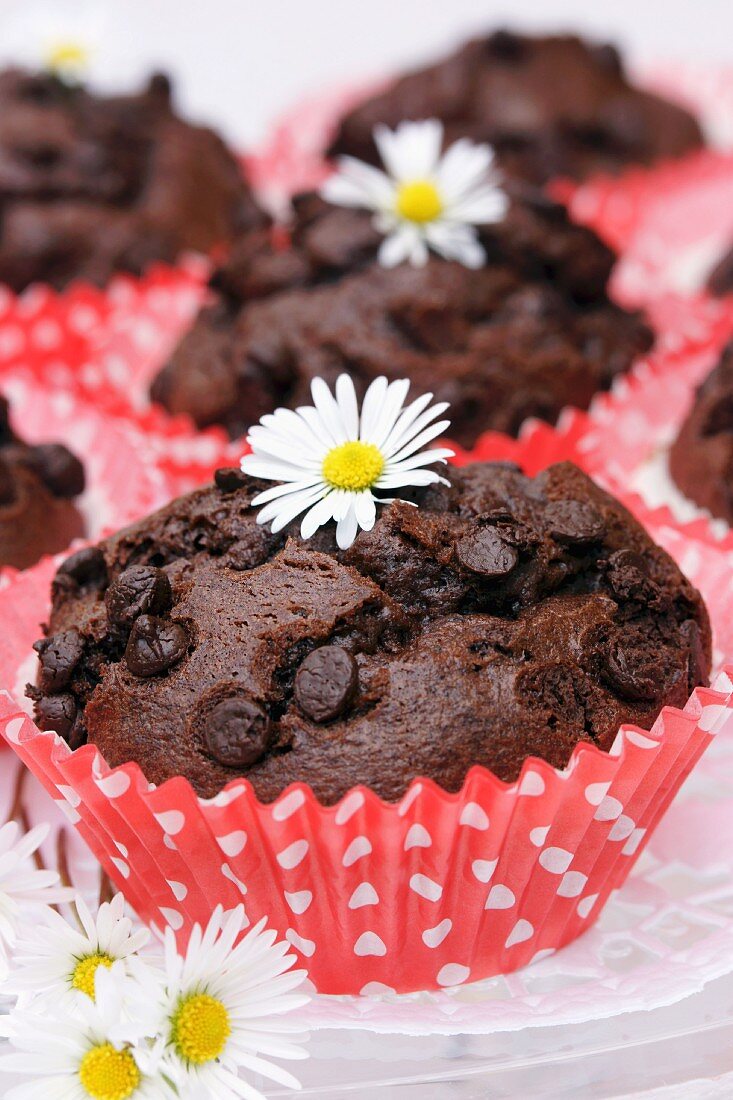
(91, 185)
(550, 105)
(527, 334)
(506, 616)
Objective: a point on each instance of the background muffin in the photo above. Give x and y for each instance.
(92, 185)
(550, 106)
(531, 331)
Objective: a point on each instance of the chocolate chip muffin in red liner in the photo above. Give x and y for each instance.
(525, 333)
(427, 744)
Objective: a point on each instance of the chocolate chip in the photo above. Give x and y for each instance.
(154, 646)
(237, 732)
(252, 549)
(506, 46)
(7, 483)
(229, 479)
(140, 590)
(58, 657)
(56, 712)
(87, 567)
(59, 469)
(485, 552)
(326, 683)
(636, 672)
(628, 577)
(574, 522)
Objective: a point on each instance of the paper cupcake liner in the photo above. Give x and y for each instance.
(58, 338)
(434, 891)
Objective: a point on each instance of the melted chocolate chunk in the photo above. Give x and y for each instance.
(58, 657)
(57, 713)
(485, 552)
(229, 479)
(140, 590)
(636, 671)
(154, 646)
(87, 567)
(572, 521)
(325, 683)
(237, 733)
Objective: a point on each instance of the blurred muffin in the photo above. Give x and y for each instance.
(528, 333)
(92, 185)
(549, 105)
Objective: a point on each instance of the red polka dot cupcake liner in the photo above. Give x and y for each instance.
(64, 341)
(433, 891)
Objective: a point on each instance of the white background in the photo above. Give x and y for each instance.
(241, 63)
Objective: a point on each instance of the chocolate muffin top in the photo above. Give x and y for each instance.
(92, 185)
(503, 617)
(701, 459)
(550, 106)
(38, 485)
(527, 334)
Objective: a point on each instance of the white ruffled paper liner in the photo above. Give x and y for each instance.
(435, 891)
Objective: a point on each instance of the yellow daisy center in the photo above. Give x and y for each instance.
(64, 57)
(109, 1074)
(200, 1028)
(419, 201)
(353, 466)
(85, 971)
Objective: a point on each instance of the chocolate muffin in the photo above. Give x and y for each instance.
(38, 485)
(720, 279)
(529, 333)
(701, 459)
(550, 106)
(504, 617)
(92, 185)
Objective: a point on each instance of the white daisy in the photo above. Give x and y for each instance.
(90, 1053)
(62, 36)
(423, 200)
(55, 960)
(222, 1009)
(21, 884)
(333, 460)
